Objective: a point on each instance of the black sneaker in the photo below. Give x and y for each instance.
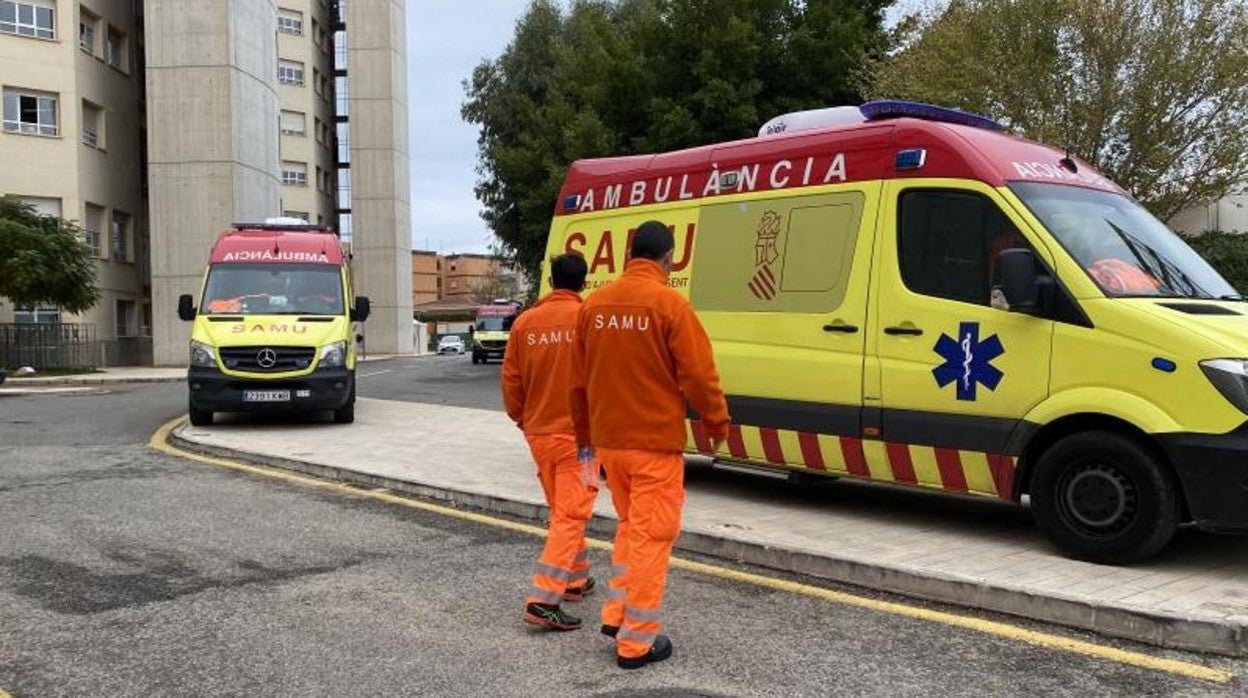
(551, 617)
(609, 630)
(660, 650)
(579, 592)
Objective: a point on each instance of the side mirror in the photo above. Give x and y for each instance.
(1020, 283)
(471, 330)
(186, 307)
(363, 308)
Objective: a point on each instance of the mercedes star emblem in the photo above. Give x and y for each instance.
(267, 358)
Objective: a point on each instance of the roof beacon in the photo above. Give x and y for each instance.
(813, 118)
(894, 109)
(284, 220)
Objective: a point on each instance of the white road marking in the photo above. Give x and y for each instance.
(374, 373)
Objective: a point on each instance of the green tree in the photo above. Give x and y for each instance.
(620, 77)
(43, 260)
(1154, 93)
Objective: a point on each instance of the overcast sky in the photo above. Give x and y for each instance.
(446, 39)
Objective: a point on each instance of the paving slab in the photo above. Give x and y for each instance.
(977, 553)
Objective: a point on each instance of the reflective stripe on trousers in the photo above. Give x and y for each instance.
(565, 559)
(647, 489)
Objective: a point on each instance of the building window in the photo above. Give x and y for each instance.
(295, 174)
(290, 22)
(37, 19)
(92, 224)
(120, 237)
(125, 319)
(294, 123)
(301, 215)
(30, 113)
(340, 50)
(290, 72)
(87, 24)
(115, 50)
(344, 188)
(42, 315)
(341, 107)
(92, 125)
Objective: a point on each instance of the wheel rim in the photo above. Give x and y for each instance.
(1098, 498)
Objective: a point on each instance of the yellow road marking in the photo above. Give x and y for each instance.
(159, 441)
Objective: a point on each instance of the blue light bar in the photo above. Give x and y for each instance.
(893, 109)
(571, 202)
(911, 159)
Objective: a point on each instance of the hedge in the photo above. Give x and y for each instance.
(1227, 252)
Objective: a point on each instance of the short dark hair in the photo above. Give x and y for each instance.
(652, 241)
(567, 271)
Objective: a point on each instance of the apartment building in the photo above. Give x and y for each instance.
(71, 73)
(305, 90)
(250, 117)
(426, 280)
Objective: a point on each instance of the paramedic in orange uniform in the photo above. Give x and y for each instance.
(536, 371)
(641, 355)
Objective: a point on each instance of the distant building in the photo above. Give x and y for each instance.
(155, 124)
(1229, 214)
(426, 279)
(463, 277)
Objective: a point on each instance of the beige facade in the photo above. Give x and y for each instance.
(70, 144)
(380, 214)
(212, 111)
(305, 89)
(156, 124)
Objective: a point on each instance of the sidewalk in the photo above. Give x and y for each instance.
(138, 374)
(975, 553)
(119, 374)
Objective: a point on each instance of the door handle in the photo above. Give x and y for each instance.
(908, 330)
(840, 327)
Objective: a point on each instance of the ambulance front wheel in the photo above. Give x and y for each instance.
(1104, 497)
(198, 417)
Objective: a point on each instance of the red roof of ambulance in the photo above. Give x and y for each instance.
(275, 246)
(858, 152)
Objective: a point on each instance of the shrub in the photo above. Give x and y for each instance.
(1227, 252)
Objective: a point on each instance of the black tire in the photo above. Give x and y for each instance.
(476, 358)
(198, 417)
(1104, 497)
(346, 413)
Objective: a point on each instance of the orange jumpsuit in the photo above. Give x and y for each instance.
(536, 371)
(641, 354)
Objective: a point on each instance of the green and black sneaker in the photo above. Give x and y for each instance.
(577, 593)
(551, 617)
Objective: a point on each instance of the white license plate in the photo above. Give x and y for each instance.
(266, 396)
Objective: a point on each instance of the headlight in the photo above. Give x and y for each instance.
(203, 355)
(333, 355)
(1230, 377)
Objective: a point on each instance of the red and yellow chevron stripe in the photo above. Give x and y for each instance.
(945, 469)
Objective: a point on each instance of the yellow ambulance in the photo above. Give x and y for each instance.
(907, 294)
(273, 331)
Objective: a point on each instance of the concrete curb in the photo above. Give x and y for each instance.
(1160, 630)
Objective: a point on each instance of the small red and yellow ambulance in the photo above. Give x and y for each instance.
(274, 327)
(908, 294)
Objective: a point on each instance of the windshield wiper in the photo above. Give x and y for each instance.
(1231, 297)
(1164, 266)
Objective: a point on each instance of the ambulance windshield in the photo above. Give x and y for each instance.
(494, 323)
(273, 289)
(1125, 250)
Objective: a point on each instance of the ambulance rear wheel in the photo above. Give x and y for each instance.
(198, 417)
(1104, 497)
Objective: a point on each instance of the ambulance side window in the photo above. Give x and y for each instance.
(791, 254)
(949, 243)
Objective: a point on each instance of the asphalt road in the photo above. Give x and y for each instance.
(127, 572)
